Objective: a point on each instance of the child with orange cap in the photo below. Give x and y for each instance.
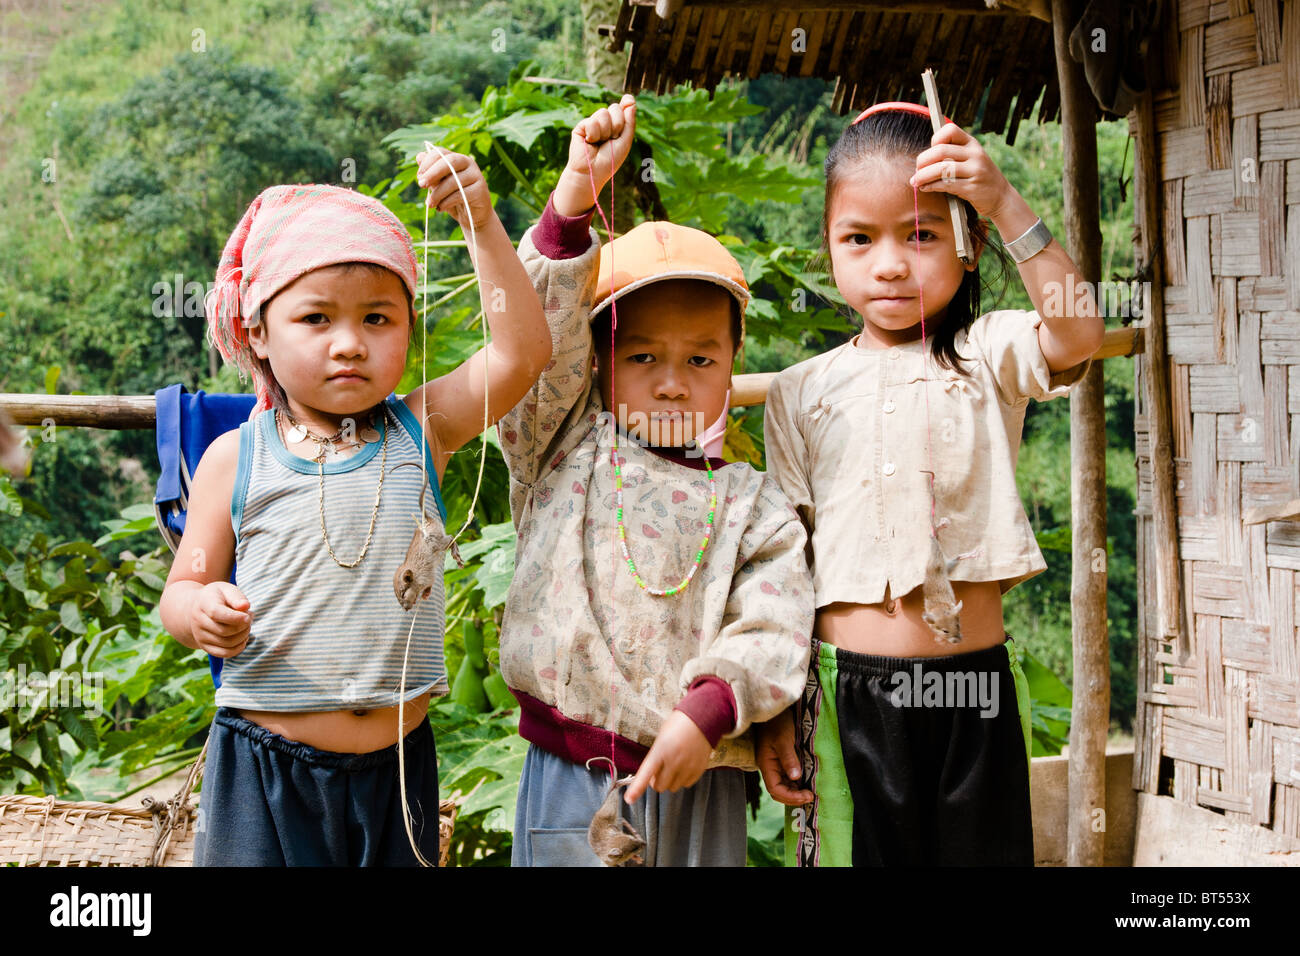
(309, 502)
(661, 603)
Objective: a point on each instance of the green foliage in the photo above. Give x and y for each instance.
(181, 154)
(519, 136)
(766, 840)
(480, 761)
(80, 647)
(1049, 705)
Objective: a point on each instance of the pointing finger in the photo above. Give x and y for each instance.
(644, 776)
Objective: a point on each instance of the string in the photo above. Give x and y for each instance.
(424, 471)
(925, 382)
(473, 248)
(613, 328)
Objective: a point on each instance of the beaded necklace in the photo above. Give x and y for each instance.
(622, 529)
(326, 447)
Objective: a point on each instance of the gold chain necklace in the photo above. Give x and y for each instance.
(319, 458)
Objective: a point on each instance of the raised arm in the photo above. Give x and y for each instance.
(561, 256)
(521, 343)
(1072, 326)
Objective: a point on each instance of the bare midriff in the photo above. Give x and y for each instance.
(343, 731)
(899, 630)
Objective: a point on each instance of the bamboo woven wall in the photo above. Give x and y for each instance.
(1218, 722)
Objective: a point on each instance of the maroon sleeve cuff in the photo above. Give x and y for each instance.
(562, 237)
(711, 703)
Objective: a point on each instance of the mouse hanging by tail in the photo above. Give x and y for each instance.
(415, 578)
(614, 841)
(942, 609)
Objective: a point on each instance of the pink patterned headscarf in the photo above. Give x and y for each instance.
(287, 232)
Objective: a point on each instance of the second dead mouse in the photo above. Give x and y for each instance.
(614, 841)
(942, 609)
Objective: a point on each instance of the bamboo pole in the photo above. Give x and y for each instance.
(1090, 713)
(137, 411)
(80, 411)
(1150, 263)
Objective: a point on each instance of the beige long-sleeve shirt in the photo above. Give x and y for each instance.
(579, 635)
(847, 437)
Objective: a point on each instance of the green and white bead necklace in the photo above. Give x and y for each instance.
(622, 529)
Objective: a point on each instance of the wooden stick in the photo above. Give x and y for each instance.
(81, 411)
(960, 231)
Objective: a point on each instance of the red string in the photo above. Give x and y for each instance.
(613, 327)
(925, 382)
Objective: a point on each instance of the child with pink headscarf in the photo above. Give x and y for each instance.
(309, 502)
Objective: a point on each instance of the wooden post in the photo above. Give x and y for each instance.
(1090, 714)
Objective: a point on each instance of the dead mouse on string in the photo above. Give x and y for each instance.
(416, 576)
(942, 609)
(614, 841)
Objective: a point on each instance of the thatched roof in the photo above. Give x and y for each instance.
(1001, 57)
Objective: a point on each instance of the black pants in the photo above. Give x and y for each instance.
(933, 760)
(270, 801)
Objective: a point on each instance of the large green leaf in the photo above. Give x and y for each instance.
(70, 616)
(10, 501)
(523, 129)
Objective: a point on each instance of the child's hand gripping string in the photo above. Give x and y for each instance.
(434, 172)
(955, 163)
(589, 164)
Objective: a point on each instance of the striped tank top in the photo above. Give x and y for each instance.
(326, 637)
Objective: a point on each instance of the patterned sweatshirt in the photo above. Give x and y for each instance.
(597, 663)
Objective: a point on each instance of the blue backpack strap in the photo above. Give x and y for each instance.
(186, 426)
(169, 497)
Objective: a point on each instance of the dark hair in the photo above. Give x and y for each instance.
(898, 133)
(600, 321)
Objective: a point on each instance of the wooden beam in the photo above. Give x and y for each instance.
(1090, 713)
(137, 411)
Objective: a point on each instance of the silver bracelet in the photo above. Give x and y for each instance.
(1034, 241)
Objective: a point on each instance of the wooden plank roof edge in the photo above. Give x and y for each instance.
(1038, 9)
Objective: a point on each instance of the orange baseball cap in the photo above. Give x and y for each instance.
(655, 251)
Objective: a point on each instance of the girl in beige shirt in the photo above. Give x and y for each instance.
(914, 750)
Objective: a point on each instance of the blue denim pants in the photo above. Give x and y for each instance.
(700, 825)
(271, 801)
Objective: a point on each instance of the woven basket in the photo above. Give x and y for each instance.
(43, 831)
